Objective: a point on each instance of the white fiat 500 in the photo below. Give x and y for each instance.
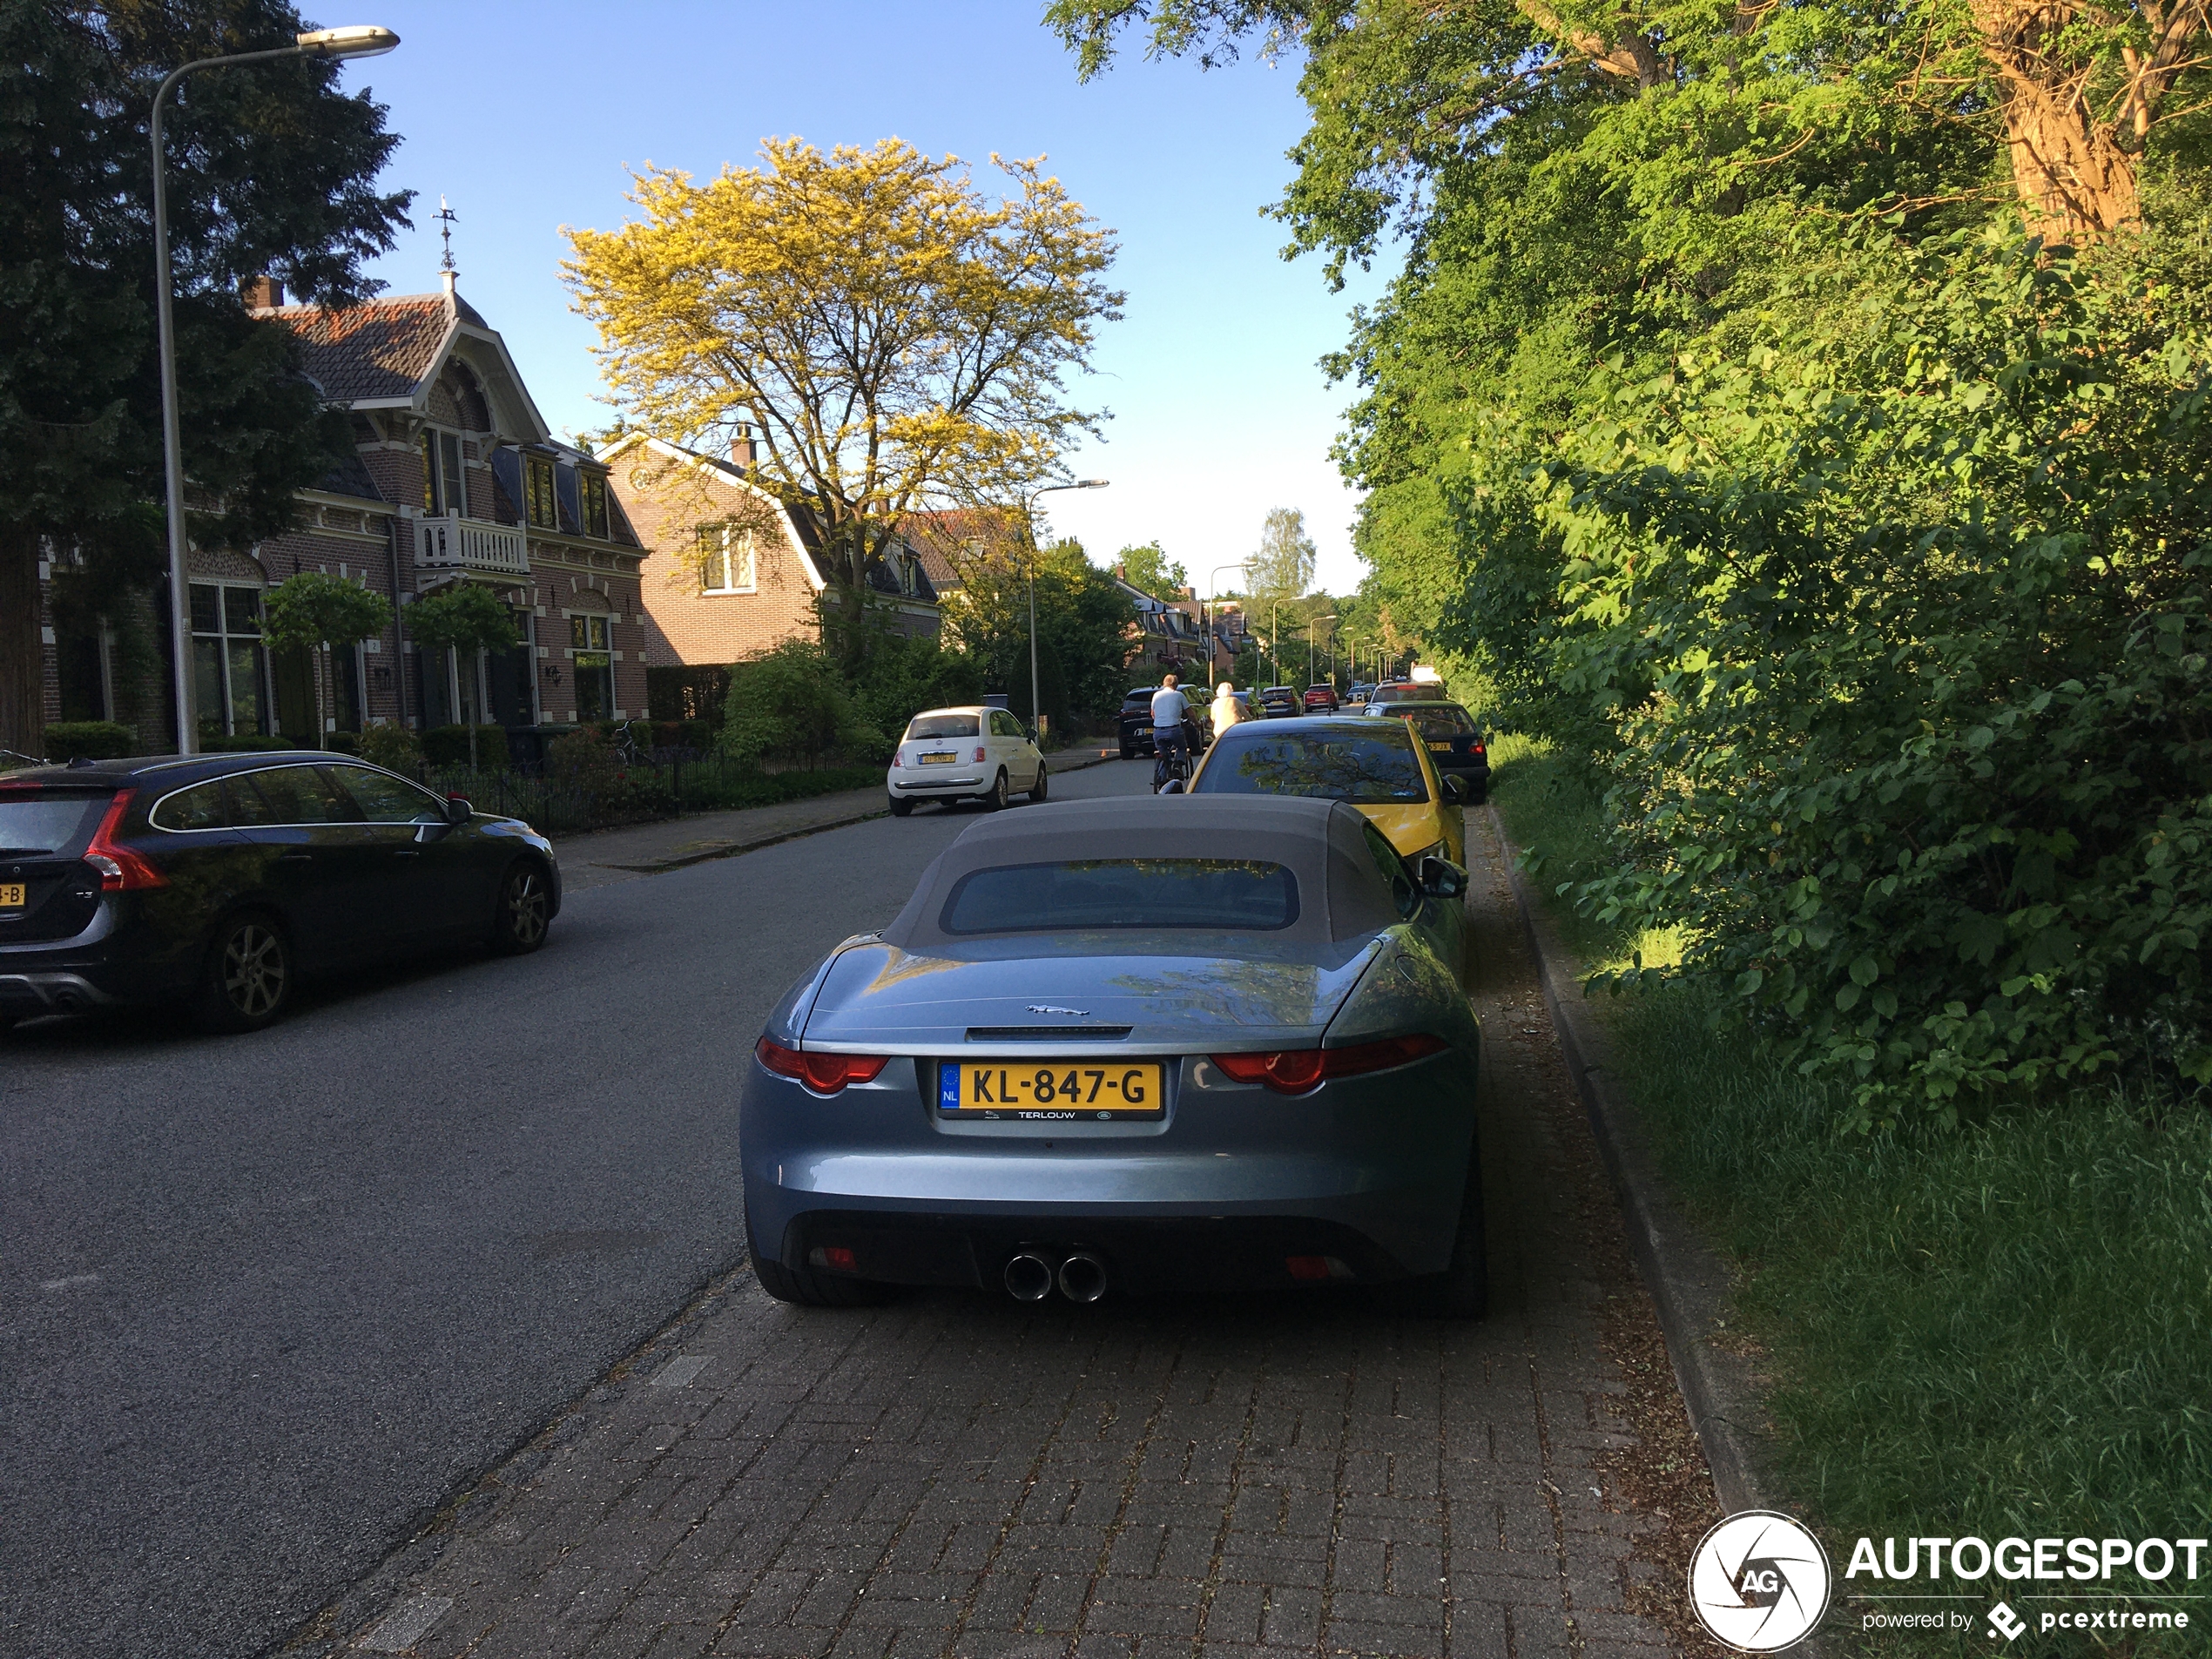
(964, 754)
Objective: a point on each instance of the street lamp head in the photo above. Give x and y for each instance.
(1090, 483)
(356, 40)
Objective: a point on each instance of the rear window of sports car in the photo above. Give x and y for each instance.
(1216, 894)
(1371, 770)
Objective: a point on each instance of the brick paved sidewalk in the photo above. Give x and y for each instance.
(600, 857)
(955, 1475)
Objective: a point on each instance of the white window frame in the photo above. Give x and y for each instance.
(735, 542)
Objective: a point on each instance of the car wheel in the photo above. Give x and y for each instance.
(998, 797)
(525, 909)
(1461, 1291)
(1037, 789)
(247, 982)
(1129, 751)
(1480, 794)
(900, 808)
(807, 1289)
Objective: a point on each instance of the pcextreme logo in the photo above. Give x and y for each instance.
(1759, 1582)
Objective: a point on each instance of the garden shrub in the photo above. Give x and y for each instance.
(448, 746)
(90, 740)
(393, 747)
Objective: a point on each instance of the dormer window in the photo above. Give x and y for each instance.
(540, 505)
(593, 486)
(445, 486)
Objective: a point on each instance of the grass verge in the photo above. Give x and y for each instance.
(2003, 1331)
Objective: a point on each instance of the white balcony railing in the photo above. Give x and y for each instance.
(452, 542)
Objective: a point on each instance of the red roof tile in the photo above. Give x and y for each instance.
(381, 349)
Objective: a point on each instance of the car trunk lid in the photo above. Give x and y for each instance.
(47, 891)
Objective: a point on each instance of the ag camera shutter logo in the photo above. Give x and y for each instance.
(1759, 1582)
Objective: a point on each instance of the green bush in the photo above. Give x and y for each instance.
(792, 705)
(1892, 628)
(393, 747)
(448, 746)
(90, 740)
(247, 743)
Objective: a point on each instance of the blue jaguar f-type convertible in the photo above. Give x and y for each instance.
(1209, 1044)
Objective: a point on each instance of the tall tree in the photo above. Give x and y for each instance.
(1281, 566)
(1149, 567)
(272, 171)
(900, 341)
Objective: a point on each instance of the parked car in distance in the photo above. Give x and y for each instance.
(1136, 721)
(1213, 1045)
(1455, 743)
(221, 881)
(1279, 702)
(1356, 693)
(1407, 691)
(1320, 699)
(1391, 779)
(969, 753)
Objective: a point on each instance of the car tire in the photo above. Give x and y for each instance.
(900, 808)
(1129, 751)
(524, 910)
(996, 800)
(1037, 790)
(246, 980)
(803, 1288)
(1461, 1291)
(1480, 794)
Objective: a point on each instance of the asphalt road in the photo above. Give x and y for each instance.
(266, 1302)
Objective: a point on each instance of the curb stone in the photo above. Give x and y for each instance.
(1689, 1285)
(731, 849)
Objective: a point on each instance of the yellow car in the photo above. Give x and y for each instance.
(1379, 766)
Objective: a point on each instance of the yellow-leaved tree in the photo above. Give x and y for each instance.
(899, 340)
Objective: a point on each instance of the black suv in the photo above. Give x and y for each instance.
(221, 879)
(1136, 722)
(1455, 741)
(1280, 703)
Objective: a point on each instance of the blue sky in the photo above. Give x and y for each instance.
(526, 116)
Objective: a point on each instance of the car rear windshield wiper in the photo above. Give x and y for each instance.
(26, 852)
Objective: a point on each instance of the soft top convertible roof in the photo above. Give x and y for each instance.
(1341, 895)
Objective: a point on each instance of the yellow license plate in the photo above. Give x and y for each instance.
(12, 896)
(1441, 748)
(938, 760)
(1052, 1091)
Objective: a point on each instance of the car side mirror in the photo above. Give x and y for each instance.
(1173, 786)
(458, 810)
(1455, 790)
(1442, 879)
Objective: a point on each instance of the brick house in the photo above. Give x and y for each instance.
(729, 571)
(456, 477)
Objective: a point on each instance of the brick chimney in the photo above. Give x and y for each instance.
(261, 292)
(743, 454)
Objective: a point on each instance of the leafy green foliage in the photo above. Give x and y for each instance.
(1081, 620)
(463, 618)
(393, 747)
(313, 608)
(792, 705)
(93, 739)
(1149, 568)
(1897, 625)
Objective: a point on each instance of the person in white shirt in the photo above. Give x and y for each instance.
(1168, 708)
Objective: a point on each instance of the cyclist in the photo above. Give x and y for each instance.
(1169, 709)
(1226, 710)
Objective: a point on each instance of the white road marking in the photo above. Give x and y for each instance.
(680, 1370)
(74, 1281)
(406, 1624)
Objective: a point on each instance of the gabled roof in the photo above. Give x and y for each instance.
(730, 478)
(387, 353)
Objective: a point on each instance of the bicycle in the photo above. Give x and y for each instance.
(627, 746)
(1173, 760)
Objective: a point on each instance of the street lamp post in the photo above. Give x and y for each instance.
(1310, 621)
(1029, 510)
(1205, 625)
(359, 41)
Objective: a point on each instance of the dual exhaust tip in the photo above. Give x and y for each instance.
(1081, 1277)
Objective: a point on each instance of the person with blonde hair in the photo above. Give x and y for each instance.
(1226, 711)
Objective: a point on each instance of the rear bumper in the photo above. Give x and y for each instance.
(1369, 1170)
(27, 995)
(119, 958)
(934, 785)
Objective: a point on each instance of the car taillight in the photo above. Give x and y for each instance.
(122, 869)
(895, 760)
(823, 1073)
(1294, 1071)
(1477, 749)
(979, 752)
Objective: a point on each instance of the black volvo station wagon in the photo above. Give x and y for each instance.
(219, 880)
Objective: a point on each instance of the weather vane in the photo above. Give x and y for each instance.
(448, 221)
